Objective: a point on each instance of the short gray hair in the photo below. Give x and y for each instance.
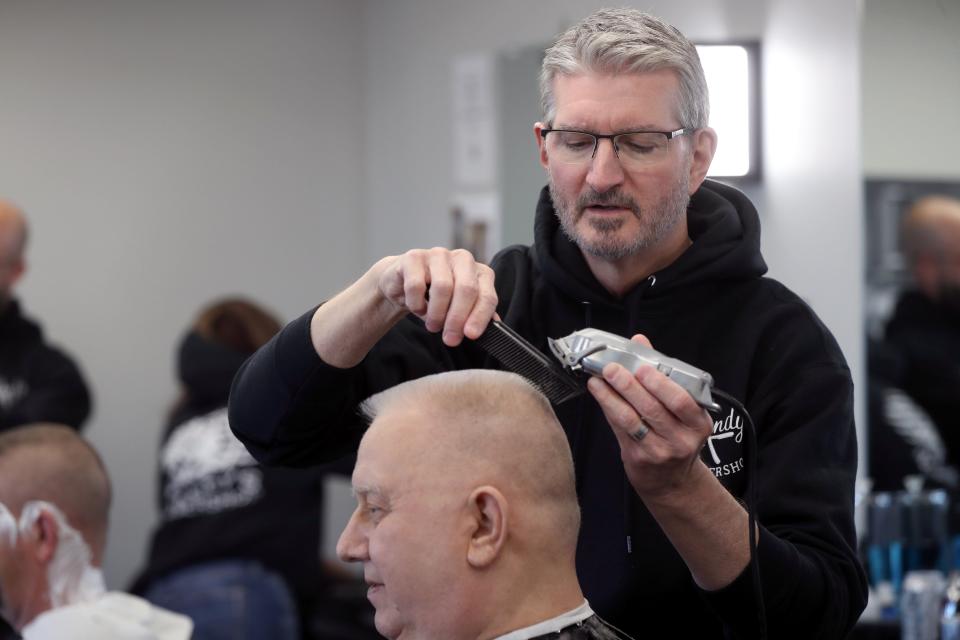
(627, 41)
(63, 469)
(498, 418)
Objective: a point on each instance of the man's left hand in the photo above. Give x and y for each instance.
(660, 427)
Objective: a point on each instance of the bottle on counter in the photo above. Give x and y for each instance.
(950, 617)
(921, 605)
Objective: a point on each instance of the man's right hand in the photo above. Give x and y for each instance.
(448, 290)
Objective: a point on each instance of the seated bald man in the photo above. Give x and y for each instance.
(54, 503)
(467, 514)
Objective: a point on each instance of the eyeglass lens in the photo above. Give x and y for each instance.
(633, 148)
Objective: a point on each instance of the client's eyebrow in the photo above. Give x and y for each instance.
(365, 491)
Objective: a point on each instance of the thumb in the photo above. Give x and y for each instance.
(642, 339)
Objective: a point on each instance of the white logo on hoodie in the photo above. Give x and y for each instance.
(208, 470)
(725, 445)
(11, 392)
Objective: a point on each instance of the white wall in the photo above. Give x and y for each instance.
(911, 89)
(167, 153)
(812, 200)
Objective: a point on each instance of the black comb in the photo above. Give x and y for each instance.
(520, 357)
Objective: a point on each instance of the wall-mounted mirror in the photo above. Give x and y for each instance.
(911, 148)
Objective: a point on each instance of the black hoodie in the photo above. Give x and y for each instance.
(711, 308)
(38, 383)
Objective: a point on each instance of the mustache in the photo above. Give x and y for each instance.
(612, 198)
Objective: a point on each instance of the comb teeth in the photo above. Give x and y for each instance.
(520, 357)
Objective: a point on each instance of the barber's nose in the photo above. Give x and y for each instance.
(352, 545)
(605, 169)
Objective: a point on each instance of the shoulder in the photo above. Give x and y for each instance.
(49, 361)
(782, 330)
(113, 615)
(776, 302)
(513, 258)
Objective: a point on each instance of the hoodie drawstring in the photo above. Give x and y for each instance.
(581, 408)
(628, 494)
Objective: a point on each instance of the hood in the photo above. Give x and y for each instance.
(724, 228)
(206, 368)
(15, 327)
(111, 617)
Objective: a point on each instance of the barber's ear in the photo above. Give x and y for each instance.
(42, 537)
(537, 128)
(704, 143)
(488, 508)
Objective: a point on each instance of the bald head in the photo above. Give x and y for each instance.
(55, 464)
(484, 426)
(467, 514)
(931, 242)
(13, 242)
(13, 232)
(932, 226)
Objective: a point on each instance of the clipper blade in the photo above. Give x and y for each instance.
(589, 350)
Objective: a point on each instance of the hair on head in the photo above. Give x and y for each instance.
(236, 323)
(626, 40)
(494, 424)
(56, 464)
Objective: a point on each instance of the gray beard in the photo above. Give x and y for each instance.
(655, 223)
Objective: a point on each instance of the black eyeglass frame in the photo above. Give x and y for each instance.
(612, 137)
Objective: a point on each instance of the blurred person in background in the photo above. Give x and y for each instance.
(924, 331)
(54, 508)
(238, 545)
(38, 383)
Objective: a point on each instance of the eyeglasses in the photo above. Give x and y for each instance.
(633, 148)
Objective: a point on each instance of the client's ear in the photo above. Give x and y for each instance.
(488, 508)
(42, 536)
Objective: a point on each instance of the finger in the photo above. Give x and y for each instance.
(622, 416)
(642, 339)
(412, 274)
(641, 399)
(440, 280)
(674, 399)
(390, 280)
(486, 304)
(466, 288)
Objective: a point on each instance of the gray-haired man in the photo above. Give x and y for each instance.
(631, 239)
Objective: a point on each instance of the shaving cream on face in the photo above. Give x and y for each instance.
(8, 527)
(70, 577)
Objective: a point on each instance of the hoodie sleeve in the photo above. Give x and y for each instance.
(813, 584)
(290, 408)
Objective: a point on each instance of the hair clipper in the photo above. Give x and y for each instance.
(589, 350)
